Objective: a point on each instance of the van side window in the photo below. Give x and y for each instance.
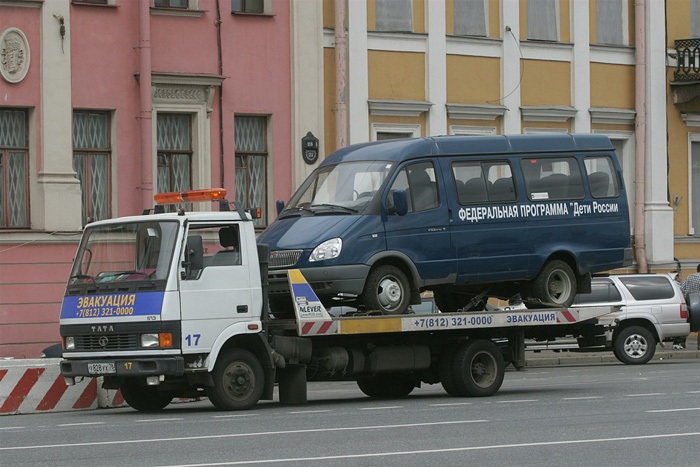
(481, 182)
(601, 177)
(552, 179)
(420, 183)
(648, 288)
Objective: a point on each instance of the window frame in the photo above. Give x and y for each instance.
(465, 27)
(557, 21)
(5, 173)
(530, 190)
(263, 221)
(409, 27)
(86, 195)
(692, 138)
(624, 25)
(398, 128)
(170, 152)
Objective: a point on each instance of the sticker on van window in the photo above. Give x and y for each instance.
(575, 208)
(537, 196)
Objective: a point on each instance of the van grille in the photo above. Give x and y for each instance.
(284, 258)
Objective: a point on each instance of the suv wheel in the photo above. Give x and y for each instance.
(634, 345)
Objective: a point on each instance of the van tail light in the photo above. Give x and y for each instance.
(684, 311)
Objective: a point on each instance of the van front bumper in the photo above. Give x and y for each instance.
(326, 281)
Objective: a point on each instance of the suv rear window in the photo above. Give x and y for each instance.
(601, 292)
(648, 288)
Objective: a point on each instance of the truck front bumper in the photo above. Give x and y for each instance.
(123, 367)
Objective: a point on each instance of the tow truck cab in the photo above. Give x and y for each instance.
(152, 299)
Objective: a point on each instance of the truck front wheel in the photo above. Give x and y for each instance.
(238, 381)
(634, 345)
(145, 398)
(387, 385)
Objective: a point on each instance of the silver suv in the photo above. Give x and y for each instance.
(653, 310)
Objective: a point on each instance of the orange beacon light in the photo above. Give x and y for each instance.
(175, 197)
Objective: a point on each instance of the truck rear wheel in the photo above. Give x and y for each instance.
(387, 385)
(387, 290)
(554, 286)
(238, 381)
(145, 398)
(446, 374)
(634, 345)
(478, 368)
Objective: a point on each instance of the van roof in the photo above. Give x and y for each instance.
(402, 149)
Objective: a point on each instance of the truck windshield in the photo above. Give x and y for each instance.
(137, 251)
(349, 186)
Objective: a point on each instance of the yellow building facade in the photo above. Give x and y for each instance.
(480, 67)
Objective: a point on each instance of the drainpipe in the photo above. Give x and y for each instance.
(640, 132)
(146, 105)
(341, 41)
(221, 91)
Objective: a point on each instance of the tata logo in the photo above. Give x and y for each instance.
(103, 341)
(109, 328)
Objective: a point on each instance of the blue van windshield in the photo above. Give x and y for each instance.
(346, 187)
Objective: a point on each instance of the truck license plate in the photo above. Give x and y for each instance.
(101, 368)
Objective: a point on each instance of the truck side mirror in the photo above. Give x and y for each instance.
(194, 255)
(280, 206)
(400, 203)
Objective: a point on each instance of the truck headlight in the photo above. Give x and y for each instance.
(149, 340)
(69, 343)
(327, 250)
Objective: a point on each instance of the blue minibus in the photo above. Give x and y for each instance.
(467, 217)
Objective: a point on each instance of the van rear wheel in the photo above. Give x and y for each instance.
(554, 286)
(387, 290)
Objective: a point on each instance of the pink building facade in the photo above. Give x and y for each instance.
(104, 103)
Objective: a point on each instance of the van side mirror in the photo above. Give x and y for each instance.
(400, 203)
(194, 256)
(280, 206)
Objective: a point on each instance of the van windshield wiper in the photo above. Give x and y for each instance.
(335, 207)
(295, 211)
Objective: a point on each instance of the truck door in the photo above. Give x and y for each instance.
(422, 234)
(218, 295)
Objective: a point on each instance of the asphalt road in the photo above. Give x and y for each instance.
(604, 414)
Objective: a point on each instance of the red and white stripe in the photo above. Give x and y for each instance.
(313, 328)
(39, 387)
(567, 316)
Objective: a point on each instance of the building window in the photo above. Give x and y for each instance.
(611, 22)
(383, 131)
(251, 164)
(470, 17)
(694, 188)
(170, 3)
(174, 154)
(542, 24)
(248, 6)
(14, 183)
(91, 162)
(94, 2)
(394, 15)
(694, 18)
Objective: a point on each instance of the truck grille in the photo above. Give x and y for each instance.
(106, 342)
(284, 258)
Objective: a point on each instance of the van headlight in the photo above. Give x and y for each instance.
(327, 250)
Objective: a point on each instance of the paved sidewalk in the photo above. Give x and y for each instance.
(664, 351)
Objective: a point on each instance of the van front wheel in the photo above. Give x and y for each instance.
(387, 290)
(555, 285)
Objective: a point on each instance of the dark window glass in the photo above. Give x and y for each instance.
(174, 155)
(481, 182)
(251, 164)
(601, 292)
(14, 159)
(170, 3)
(648, 287)
(91, 162)
(552, 179)
(248, 6)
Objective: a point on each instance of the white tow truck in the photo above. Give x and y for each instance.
(169, 305)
